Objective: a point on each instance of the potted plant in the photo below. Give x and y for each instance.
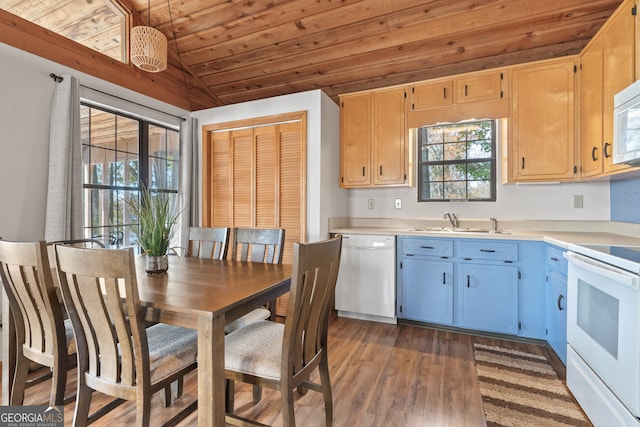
(157, 216)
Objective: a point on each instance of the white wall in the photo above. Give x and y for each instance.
(525, 201)
(25, 98)
(324, 198)
(548, 202)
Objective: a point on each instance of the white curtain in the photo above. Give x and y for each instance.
(64, 195)
(188, 178)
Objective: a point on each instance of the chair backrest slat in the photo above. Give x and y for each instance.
(27, 279)
(265, 245)
(314, 277)
(100, 289)
(210, 243)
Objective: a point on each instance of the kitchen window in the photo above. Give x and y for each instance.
(457, 162)
(120, 155)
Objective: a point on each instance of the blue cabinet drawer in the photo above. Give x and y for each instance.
(488, 250)
(428, 247)
(556, 260)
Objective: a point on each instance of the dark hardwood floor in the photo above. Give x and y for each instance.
(382, 375)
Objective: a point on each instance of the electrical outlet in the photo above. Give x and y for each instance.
(398, 203)
(371, 204)
(578, 201)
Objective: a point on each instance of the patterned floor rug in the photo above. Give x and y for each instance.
(521, 389)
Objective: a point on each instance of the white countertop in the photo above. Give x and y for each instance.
(559, 233)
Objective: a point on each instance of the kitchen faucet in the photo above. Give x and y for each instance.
(494, 225)
(453, 219)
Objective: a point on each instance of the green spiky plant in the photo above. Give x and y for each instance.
(157, 216)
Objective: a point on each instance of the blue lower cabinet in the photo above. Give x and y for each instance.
(556, 301)
(557, 315)
(488, 297)
(479, 284)
(428, 292)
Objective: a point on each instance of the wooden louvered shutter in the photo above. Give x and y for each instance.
(292, 212)
(266, 177)
(242, 172)
(220, 178)
(255, 176)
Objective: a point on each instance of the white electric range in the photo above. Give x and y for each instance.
(603, 332)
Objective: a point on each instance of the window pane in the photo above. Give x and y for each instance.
(455, 172)
(455, 190)
(457, 161)
(112, 171)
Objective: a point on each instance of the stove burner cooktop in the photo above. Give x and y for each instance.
(626, 257)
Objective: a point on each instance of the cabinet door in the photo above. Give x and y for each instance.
(389, 137)
(542, 122)
(479, 88)
(557, 314)
(619, 50)
(591, 111)
(427, 293)
(432, 95)
(355, 140)
(488, 297)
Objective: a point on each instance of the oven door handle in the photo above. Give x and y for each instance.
(622, 277)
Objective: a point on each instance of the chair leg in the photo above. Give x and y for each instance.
(167, 395)
(229, 400)
(257, 393)
(19, 380)
(288, 416)
(83, 402)
(180, 387)
(325, 381)
(143, 408)
(58, 381)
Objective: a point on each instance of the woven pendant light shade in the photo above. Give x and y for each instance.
(148, 49)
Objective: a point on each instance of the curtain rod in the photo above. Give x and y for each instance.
(58, 79)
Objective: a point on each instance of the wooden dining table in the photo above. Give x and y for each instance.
(205, 295)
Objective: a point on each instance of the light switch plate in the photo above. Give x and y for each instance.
(371, 204)
(398, 203)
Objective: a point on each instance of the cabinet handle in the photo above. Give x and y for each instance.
(426, 247)
(593, 154)
(363, 171)
(487, 250)
(554, 259)
(523, 163)
(444, 90)
(560, 298)
(444, 278)
(380, 170)
(465, 90)
(606, 151)
(468, 281)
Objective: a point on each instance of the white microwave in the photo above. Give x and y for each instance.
(626, 125)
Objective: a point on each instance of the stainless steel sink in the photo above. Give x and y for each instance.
(456, 230)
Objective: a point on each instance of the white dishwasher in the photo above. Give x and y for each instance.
(366, 287)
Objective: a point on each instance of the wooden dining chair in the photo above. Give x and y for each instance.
(281, 356)
(43, 335)
(210, 243)
(117, 355)
(256, 245)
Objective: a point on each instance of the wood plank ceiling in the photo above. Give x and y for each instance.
(242, 50)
